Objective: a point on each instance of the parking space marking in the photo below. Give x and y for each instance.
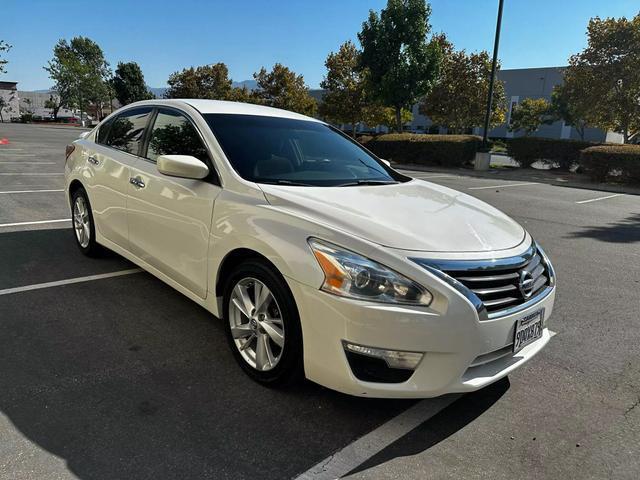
(18, 154)
(503, 186)
(69, 281)
(353, 455)
(38, 222)
(601, 198)
(30, 191)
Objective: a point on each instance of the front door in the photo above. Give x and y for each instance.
(170, 218)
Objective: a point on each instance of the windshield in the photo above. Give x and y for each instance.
(296, 152)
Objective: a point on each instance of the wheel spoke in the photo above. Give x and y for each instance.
(264, 356)
(241, 331)
(262, 297)
(244, 299)
(247, 342)
(274, 333)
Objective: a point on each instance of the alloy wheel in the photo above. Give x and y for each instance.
(256, 324)
(81, 222)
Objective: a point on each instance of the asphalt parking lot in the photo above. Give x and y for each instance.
(123, 377)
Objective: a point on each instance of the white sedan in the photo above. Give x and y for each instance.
(321, 259)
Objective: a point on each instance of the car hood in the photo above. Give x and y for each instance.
(414, 215)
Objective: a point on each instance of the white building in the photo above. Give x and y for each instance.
(10, 104)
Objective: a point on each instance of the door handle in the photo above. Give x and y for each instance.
(136, 181)
(93, 160)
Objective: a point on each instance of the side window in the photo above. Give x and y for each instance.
(103, 131)
(127, 130)
(173, 134)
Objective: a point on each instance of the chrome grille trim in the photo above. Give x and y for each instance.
(493, 292)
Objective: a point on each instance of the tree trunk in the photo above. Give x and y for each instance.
(399, 119)
(353, 128)
(625, 134)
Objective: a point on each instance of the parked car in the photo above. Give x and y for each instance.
(321, 260)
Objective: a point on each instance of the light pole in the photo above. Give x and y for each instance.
(493, 76)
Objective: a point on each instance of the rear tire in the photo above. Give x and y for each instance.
(262, 324)
(83, 225)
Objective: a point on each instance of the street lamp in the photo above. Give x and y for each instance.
(493, 76)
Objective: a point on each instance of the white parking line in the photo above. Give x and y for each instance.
(503, 186)
(38, 286)
(18, 154)
(37, 174)
(601, 198)
(342, 462)
(39, 222)
(30, 191)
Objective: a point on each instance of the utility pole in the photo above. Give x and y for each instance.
(493, 76)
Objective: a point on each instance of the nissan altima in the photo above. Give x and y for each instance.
(321, 260)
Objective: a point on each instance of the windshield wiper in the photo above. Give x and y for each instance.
(286, 182)
(367, 182)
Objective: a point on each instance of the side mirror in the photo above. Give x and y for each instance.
(386, 162)
(184, 166)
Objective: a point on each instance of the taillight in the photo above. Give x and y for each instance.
(69, 150)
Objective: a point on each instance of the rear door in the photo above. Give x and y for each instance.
(109, 160)
(169, 217)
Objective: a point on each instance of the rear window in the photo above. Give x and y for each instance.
(126, 131)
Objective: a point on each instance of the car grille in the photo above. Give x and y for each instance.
(500, 286)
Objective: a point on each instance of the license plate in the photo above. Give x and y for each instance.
(528, 330)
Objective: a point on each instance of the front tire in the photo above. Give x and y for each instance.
(262, 324)
(83, 224)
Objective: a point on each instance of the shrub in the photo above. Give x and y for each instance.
(603, 161)
(445, 150)
(528, 150)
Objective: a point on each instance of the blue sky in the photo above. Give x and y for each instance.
(165, 36)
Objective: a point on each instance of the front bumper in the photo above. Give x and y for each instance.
(457, 345)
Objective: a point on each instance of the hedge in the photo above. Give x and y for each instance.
(528, 150)
(444, 150)
(620, 162)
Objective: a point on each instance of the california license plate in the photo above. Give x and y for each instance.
(528, 330)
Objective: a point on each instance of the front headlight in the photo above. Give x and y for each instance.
(351, 275)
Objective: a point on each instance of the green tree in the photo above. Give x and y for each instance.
(4, 47)
(374, 115)
(530, 114)
(345, 97)
(208, 81)
(80, 73)
(569, 102)
(402, 64)
(609, 67)
(458, 99)
(282, 88)
(128, 84)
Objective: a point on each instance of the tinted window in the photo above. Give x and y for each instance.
(127, 130)
(103, 131)
(173, 134)
(279, 150)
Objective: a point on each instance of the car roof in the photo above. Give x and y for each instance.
(222, 106)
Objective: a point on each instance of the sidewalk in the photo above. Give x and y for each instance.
(551, 177)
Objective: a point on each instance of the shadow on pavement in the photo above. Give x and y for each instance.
(447, 422)
(623, 231)
(126, 378)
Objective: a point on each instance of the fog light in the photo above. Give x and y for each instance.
(393, 358)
